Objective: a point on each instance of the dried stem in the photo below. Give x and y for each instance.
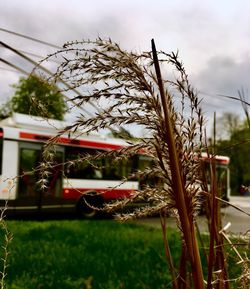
(5, 248)
(187, 223)
(167, 248)
(128, 88)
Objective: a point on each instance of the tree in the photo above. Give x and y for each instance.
(227, 124)
(36, 97)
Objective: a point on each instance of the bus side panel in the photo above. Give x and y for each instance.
(8, 185)
(108, 190)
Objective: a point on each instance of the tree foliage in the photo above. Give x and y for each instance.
(226, 125)
(36, 97)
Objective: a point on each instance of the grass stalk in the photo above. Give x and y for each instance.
(216, 258)
(212, 229)
(179, 190)
(245, 105)
(5, 248)
(184, 281)
(135, 91)
(167, 250)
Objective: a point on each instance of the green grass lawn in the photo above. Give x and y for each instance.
(102, 253)
(71, 253)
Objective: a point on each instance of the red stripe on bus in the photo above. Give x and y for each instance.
(112, 194)
(64, 140)
(33, 136)
(90, 144)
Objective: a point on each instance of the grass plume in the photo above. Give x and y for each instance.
(128, 88)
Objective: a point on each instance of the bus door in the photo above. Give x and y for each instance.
(30, 194)
(52, 195)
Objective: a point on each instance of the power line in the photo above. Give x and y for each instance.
(25, 57)
(58, 47)
(14, 66)
(27, 73)
(37, 55)
(30, 38)
(31, 54)
(49, 73)
(235, 98)
(10, 70)
(226, 98)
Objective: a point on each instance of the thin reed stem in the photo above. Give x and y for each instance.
(178, 188)
(5, 248)
(167, 249)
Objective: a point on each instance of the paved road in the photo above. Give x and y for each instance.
(240, 222)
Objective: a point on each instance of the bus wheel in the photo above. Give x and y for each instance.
(87, 206)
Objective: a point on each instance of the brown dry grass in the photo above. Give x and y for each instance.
(128, 88)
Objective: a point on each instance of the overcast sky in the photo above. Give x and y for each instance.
(213, 37)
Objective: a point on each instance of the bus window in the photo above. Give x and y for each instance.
(82, 169)
(29, 159)
(54, 188)
(221, 174)
(115, 169)
(107, 168)
(112, 169)
(127, 167)
(221, 178)
(145, 162)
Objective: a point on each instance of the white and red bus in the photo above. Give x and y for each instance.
(22, 138)
(222, 173)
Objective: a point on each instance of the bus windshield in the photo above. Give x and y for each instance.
(222, 177)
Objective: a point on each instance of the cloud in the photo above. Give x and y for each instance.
(224, 75)
(212, 43)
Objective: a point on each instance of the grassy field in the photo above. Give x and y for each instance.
(75, 253)
(92, 254)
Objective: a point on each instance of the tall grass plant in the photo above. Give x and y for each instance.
(128, 88)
